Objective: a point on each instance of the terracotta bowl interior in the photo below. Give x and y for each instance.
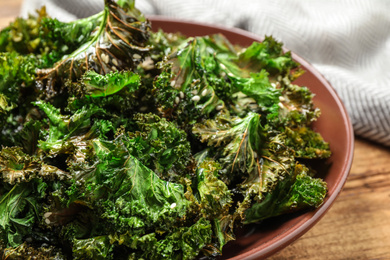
(259, 241)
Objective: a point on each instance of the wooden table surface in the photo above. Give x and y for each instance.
(357, 226)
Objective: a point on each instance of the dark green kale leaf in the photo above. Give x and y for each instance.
(28, 137)
(163, 44)
(191, 84)
(258, 87)
(181, 243)
(63, 128)
(207, 75)
(295, 192)
(257, 162)
(274, 163)
(97, 85)
(118, 93)
(268, 55)
(238, 141)
(58, 39)
(214, 200)
(240, 145)
(17, 90)
(19, 209)
(214, 196)
(117, 43)
(93, 248)
(16, 167)
(16, 72)
(161, 146)
(129, 188)
(133, 202)
(296, 106)
(22, 35)
(46, 38)
(306, 143)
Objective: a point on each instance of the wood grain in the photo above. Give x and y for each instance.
(358, 224)
(9, 9)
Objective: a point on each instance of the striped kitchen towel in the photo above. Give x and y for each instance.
(347, 41)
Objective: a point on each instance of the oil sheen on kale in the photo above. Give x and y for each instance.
(118, 142)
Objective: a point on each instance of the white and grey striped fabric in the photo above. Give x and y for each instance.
(348, 41)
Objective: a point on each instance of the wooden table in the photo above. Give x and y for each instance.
(358, 224)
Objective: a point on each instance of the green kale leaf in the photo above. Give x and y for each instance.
(117, 43)
(20, 209)
(296, 192)
(46, 38)
(161, 146)
(62, 128)
(190, 85)
(306, 143)
(17, 91)
(24, 250)
(97, 85)
(238, 141)
(16, 167)
(267, 55)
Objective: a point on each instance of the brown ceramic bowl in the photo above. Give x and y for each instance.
(259, 241)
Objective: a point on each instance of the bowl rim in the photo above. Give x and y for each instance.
(294, 232)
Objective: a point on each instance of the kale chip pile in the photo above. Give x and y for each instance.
(122, 143)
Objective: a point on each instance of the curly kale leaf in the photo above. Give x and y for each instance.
(17, 76)
(207, 75)
(17, 91)
(274, 162)
(22, 35)
(20, 208)
(16, 167)
(267, 55)
(191, 85)
(136, 190)
(117, 43)
(164, 44)
(127, 193)
(92, 248)
(161, 146)
(279, 181)
(306, 143)
(118, 93)
(47, 38)
(255, 160)
(58, 39)
(180, 243)
(157, 143)
(63, 128)
(132, 201)
(15, 71)
(295, 192)
(296, 106)
(214, 196)
(97, 85)
(258, 87)
(214, 200)
(238, 140)
(24, 250)
(29, 136)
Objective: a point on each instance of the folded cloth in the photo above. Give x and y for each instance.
(347, 41)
